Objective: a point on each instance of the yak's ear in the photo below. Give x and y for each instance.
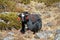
(18, 18)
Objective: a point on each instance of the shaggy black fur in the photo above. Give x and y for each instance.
(33, 22)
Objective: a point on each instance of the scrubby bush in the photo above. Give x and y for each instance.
(11, 4)
(48, 2)
(26, 1)
(10, 21)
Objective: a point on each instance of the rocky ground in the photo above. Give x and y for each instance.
(50, 20)
(42, 35)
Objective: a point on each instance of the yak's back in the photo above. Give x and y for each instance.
(34, 21)
(34, 17)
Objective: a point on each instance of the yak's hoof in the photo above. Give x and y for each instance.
(23, 32)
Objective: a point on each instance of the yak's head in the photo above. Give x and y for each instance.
(24, 16)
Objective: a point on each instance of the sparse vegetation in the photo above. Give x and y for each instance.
(9, 5)
(50, 19)
(10, 21)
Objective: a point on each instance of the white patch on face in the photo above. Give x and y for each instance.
(22, 15)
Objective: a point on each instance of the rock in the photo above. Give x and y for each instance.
(57, 37)
(9, 36)
(57, 34)
(43, 35)
(46, 15)
(58, 31)
(57, 4)
(28, 34)
(49, 24)
(10, 33)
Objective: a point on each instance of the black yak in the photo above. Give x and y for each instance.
(33, 22)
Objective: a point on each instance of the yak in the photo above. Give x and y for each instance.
(33, 22)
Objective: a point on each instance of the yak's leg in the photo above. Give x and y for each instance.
(23, 28)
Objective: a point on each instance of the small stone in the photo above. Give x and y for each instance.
(9, 38)
(57, 37)
(28, 34)
(10, 33)
(58, 31)
(49, 24)
(43, 35)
